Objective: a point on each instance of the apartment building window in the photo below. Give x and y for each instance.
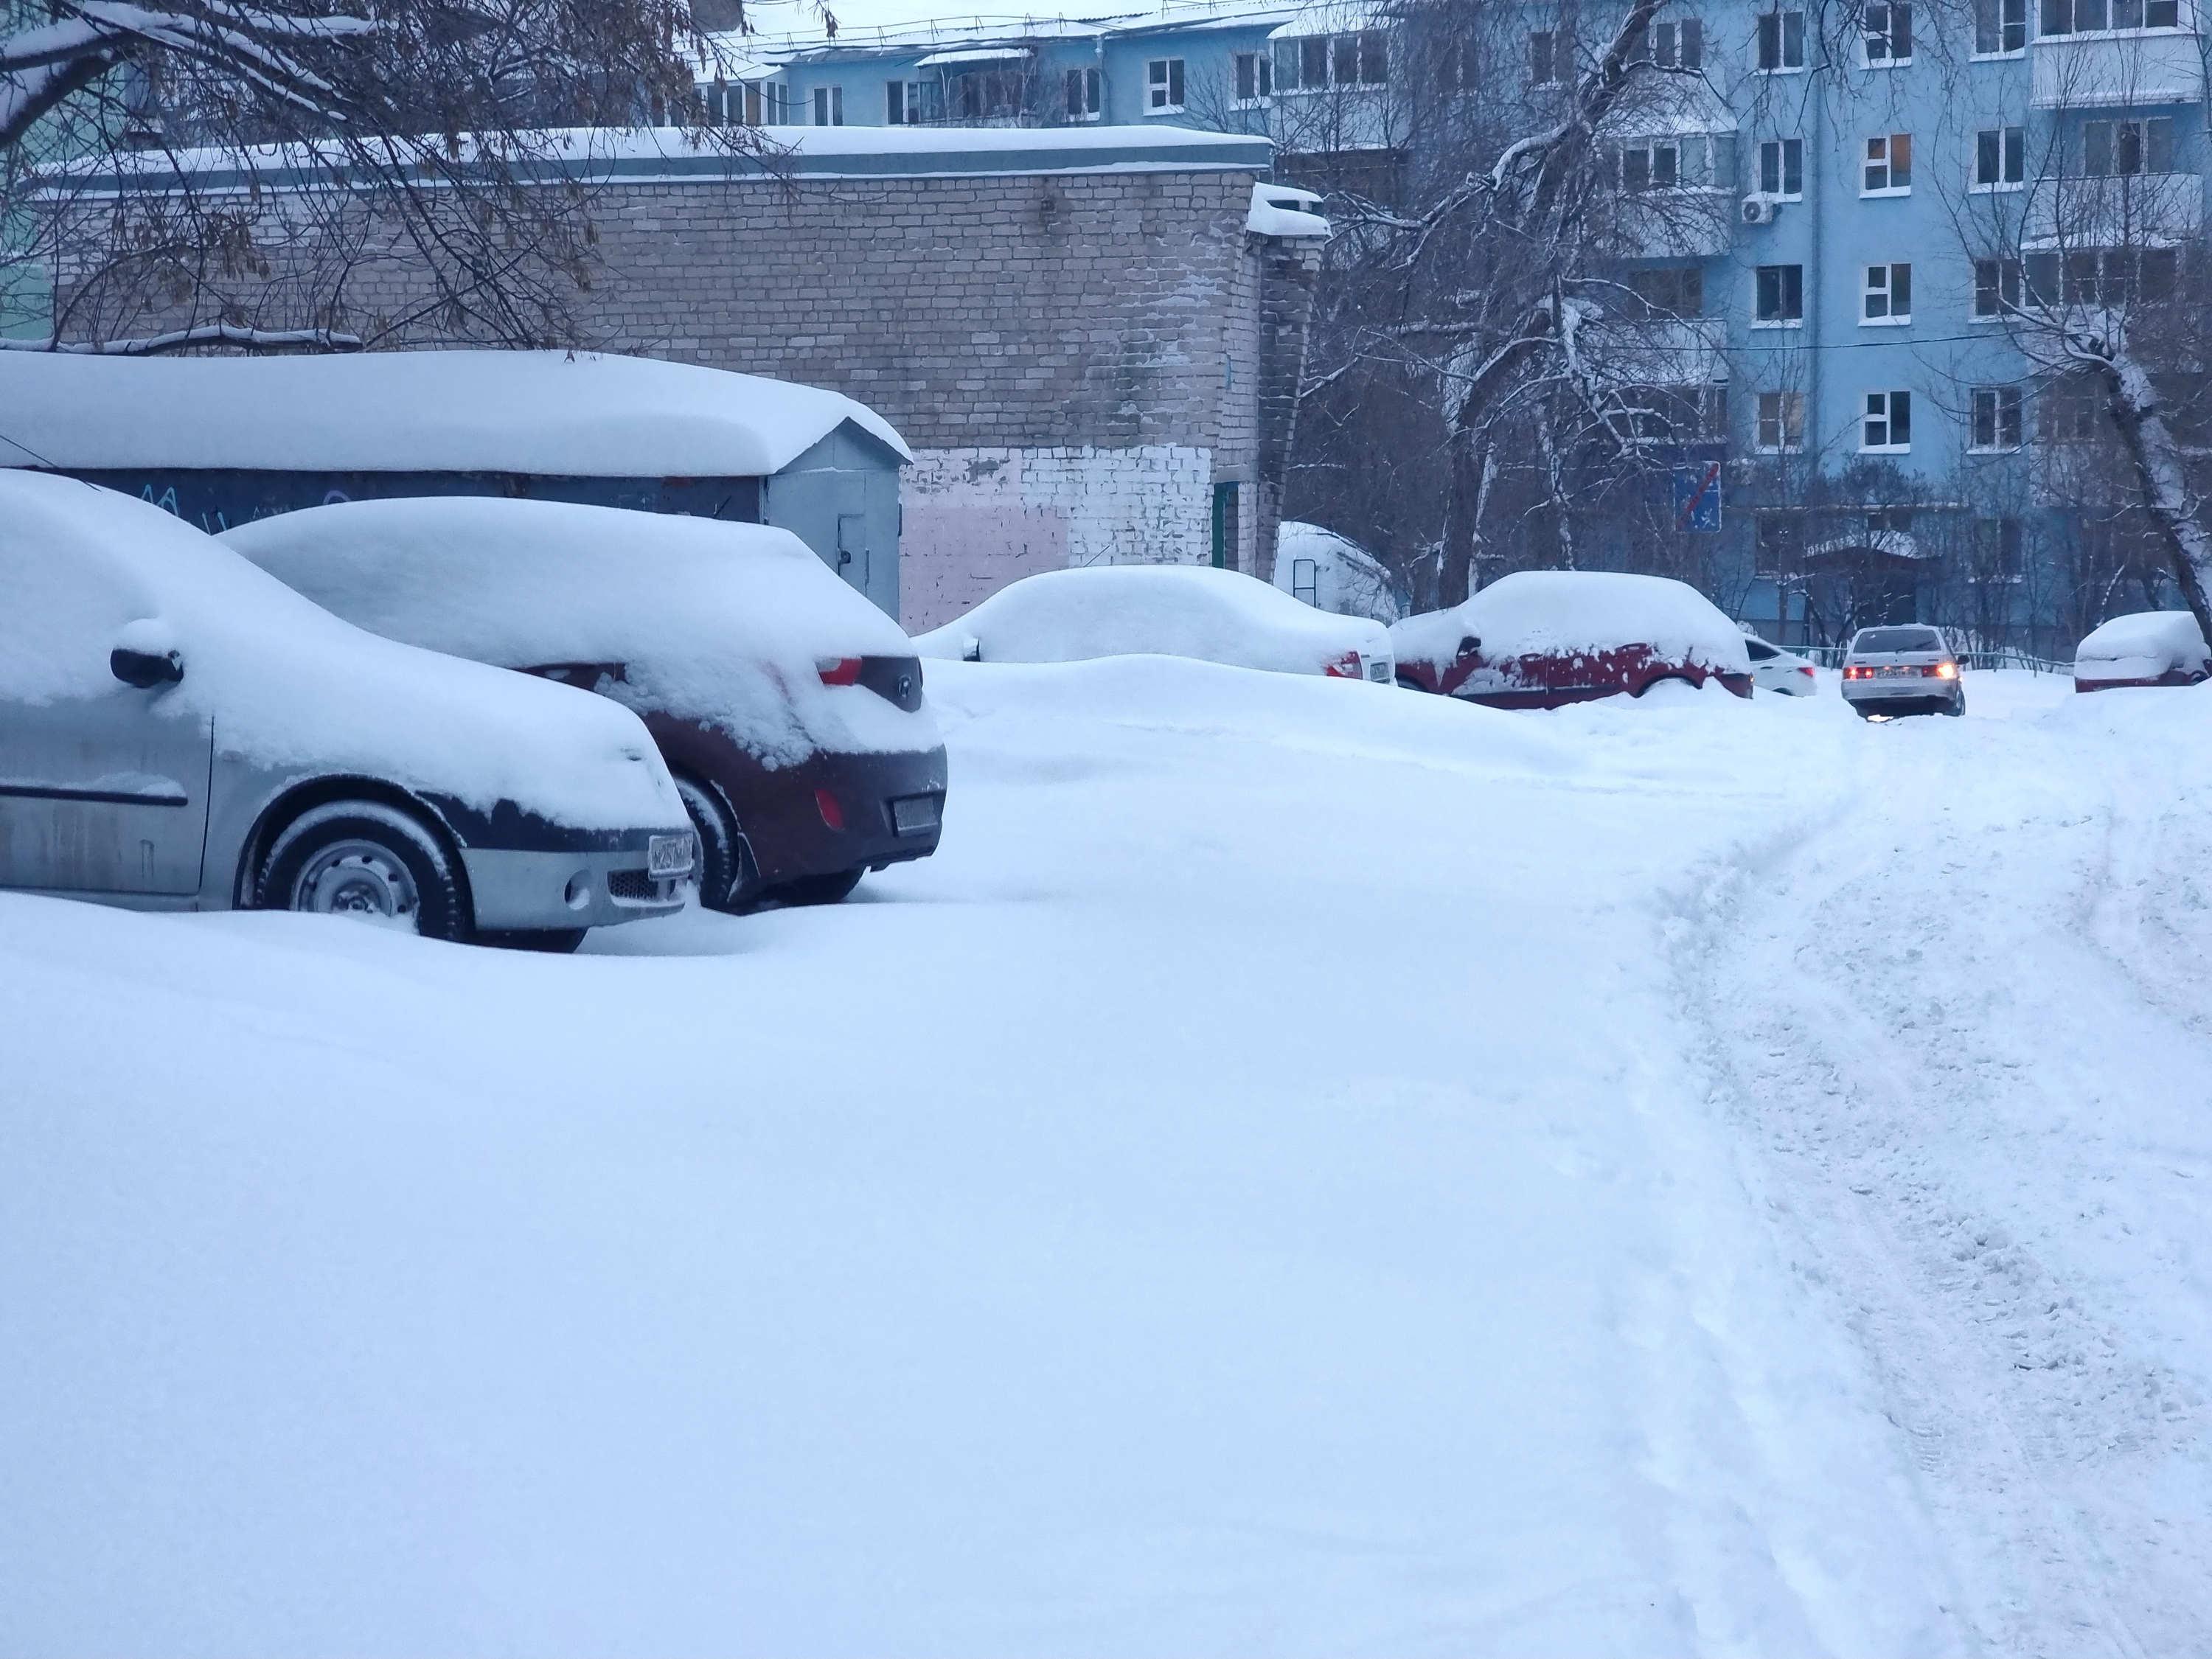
(2011, 559)
(1254, 78)
(1779, 291)
(1886, 32)
(2091, 16)
(1670, 290)
(1679, 45)
(1996, 287)
(1888, 295)
(1676, 414)
(1551, 58)
(1782, 167)
(1888, 166)
(1781, 422)
(1781, 41)
(902, 102)
(1083, 92)
(829, 107)
(2066, 411)
(1313, 62)
(1691, 162)
(2102, 276)
(2000, 27)
(1995, 419)
(1887, 427)
(2000, 158)
(1777, 539)
(1164, 86)
(1459, 68)
(2113, 149)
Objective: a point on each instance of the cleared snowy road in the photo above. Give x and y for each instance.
(1308, 1169)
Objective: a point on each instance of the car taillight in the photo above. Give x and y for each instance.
(1943, 670)
(1853, 671)
(1806, 670)
(833, 815)
(1345, 668)
(838, 670)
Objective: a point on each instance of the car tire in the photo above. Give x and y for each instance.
(1958, 705)
(365, 858)
(818, 890)
(553, 941)
(728, 880)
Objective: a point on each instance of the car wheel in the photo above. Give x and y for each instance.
(1958, 705)
(818, 890)
(728, 880)
(553, 941)
(363, 859)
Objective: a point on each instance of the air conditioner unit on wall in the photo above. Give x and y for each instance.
(1759, 209)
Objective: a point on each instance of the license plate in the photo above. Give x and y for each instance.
(913, 814)
(668, 855)
(1378, 672)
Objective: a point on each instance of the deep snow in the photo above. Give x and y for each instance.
(1308, 1167)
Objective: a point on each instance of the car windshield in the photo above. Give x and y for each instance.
(1897, 639)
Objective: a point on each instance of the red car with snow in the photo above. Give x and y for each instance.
(1540, 639)
(2146, 647)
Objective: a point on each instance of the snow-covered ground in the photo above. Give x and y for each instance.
(1308, 1169)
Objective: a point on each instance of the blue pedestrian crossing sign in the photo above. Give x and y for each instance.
(1698, 497)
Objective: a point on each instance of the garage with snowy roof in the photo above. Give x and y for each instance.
(223, 440)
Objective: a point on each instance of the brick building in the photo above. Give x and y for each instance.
(1088, 337)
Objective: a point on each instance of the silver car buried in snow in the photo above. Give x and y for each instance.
(179, 731)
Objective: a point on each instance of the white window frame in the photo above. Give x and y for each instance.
(1887, 414)
(2011, 159)
(1164, 83)
(1781, 147)
(1091, 101)
(1997, 401)
(2109, 27)
(1782, 65)
(2145, 129)
(1263, 79)
(1783, 414)
(2007, 290)
(1782, 286)
(1878, 285)
(1892, 11)
(1887, 163)
(825, 106)
(2001, 10)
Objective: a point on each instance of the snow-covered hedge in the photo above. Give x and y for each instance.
(1156, 610)
(722, 622)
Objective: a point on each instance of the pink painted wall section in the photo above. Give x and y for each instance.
(976, 520)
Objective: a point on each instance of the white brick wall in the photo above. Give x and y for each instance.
(978, 518)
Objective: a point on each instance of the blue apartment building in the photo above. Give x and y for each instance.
(1873, 212)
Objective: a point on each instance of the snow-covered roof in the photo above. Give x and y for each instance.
(921, 26)
(579, 414)
(1344, 17)
(653, 155)
(976, 55)
(1278, 210)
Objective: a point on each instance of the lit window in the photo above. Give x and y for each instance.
(1888, 166)
(1781, 422)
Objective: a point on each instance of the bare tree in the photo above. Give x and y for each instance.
(166, 162)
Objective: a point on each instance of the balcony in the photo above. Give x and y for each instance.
(2099, 71)
(2138, 210)
(1689, 351)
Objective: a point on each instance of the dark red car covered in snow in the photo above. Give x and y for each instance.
(2147, 647)
(1540, 639)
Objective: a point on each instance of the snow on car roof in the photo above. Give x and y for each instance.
(289, 686)
(547, 413)
(2172, 634)
(1164, 610)
(718, 622)
(1537, 612)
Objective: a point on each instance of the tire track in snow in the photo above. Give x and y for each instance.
(1848, 1007)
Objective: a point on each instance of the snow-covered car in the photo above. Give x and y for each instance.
(179, 731)
(788, 707)
(1903, 668)
(2146, 647)
(1333, 573)
(1165, 610)
(1540, 639)
(1784, 673)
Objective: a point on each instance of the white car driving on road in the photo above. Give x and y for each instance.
(1906, 668)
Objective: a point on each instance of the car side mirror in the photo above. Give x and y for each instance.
(146, 668)
(1468, 645)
